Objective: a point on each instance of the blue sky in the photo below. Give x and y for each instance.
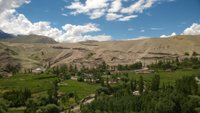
(162, 17)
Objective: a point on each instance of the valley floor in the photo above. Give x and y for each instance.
(40, 83)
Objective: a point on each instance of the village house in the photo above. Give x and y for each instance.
(38, 70)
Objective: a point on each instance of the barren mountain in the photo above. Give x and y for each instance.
(91, 53)
(31, 39)
(4, 35)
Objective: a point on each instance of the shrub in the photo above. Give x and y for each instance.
(186, 54)
(17, 98)
(80, 79)
(50, 108)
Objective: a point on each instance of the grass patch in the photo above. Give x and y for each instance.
(36, 83)
(16, 110)
(166, 77)
(82, 89)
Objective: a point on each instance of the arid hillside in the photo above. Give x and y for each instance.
(91, 53)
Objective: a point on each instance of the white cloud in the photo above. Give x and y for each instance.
(167, 36)
(73, 39)
(127, 18)
(11, 4)
(130, 29)
(112, 9)
(138, 6)
(139, 38)
(142, 30)
(115, 6)
(194, 29)
(63, 14)
(156, 28)
(97, 13)
(19, 24)
(15, 23)
(112, 16)
(93, 8)
(75, 33)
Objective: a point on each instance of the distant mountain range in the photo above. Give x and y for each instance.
(25, 38)
(4, 35)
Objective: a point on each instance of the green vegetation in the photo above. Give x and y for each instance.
(193, 62)
(16, 110)
(179, 92)
(39, 92)
(141, 85)
(195, 54)
(167, 77)
(17, 98)
(3, 106)
(186, 54)
(137, 65)
(155, 83)
(82, 89)
(168, 89)
(36, 83)
(168, 99)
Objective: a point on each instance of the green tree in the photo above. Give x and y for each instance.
(155, 83)
(194, 53)
(50, 108)
(53, 93)
(141, 84)
(187, 85)
(17, 98)
(165, 105)
(31, 106)
(133, 85)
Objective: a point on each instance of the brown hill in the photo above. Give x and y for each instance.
(112, 52)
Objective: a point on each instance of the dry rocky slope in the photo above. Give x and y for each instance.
(91, 53)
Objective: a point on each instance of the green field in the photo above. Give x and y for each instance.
(166, 77)
(36, 83)
(16, 110)
(39, 84)
(82, 89)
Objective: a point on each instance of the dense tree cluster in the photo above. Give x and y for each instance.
(63, 71)
(193, 62)
(168, 99)
(137, 65)
(47, 104)
(17, 98)
(187, 85)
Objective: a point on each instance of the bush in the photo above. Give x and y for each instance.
(3, 107)
(186, 54)
(50, 108)
(80, 79)
(194, 53)
(17, 98)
